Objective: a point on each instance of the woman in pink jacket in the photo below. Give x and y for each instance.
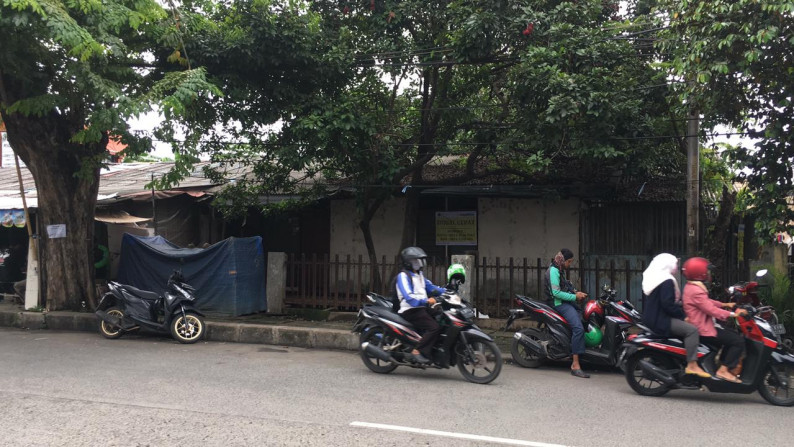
(701, 312)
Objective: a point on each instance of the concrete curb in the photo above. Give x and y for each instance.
(302, 337)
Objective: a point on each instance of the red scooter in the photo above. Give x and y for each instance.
(656, 364)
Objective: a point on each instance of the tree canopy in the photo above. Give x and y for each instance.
(71, 74)
(530, 91)
(734, 60)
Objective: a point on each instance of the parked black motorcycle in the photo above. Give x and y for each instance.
(126, 309)
(655, 364)
(551, 340)
(387, 340)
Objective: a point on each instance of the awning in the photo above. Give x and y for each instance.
(118, 217)
(144, 196)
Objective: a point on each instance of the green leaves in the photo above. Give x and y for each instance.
(740, 54)
(36, 106)
(90, 65)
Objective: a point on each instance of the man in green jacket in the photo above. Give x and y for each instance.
(561, 294)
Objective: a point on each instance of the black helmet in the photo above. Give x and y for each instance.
(412, 254)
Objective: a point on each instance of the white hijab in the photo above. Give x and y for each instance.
(661, 268)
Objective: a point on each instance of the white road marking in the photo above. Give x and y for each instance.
(450, 434)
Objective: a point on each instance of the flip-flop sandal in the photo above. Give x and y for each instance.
(580, 373)
(730, 379)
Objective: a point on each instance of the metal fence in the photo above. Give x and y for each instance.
(320, 281)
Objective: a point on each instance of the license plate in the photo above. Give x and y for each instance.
(778, 329)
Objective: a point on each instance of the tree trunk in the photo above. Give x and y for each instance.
(43, 143)
(720, 234)
(377, 281)
(411, 218)
(372, 204)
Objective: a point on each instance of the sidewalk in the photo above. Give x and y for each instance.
(281, 330)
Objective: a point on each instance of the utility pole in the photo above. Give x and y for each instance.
(154, 208)
(693, 185)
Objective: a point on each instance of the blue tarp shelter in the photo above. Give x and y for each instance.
(229, 276)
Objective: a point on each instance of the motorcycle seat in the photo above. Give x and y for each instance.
(146, 295)
(392, 316)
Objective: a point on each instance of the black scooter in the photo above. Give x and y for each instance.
(551, 340)
(387, 339)
(126, 309)
(656, 364)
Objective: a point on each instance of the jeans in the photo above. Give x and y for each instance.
(573, 315)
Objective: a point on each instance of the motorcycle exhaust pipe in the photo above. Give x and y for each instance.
(536, 347)
(653, 372)
(109, 319)
(376, 352)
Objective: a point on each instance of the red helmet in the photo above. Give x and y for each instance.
(594, 310)
(696, 269)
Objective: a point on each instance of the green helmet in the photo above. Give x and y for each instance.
(593, 336)
(456, 271)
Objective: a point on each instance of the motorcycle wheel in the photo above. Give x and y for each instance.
(107, 330)
(524, 356)
(637, 380)
(486, 364)
(188, 329)
(374, 335)
(772, 390)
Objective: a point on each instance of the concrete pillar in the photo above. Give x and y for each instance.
(467, 261)
(780, 257)
(276, 290)
(32, 279)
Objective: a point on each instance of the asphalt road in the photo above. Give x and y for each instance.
(65, 389)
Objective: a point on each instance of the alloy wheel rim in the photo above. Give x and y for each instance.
(107, 328)
(189, 329)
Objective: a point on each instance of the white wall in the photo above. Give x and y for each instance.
(386, 225)
(527, 228)
(507, 227)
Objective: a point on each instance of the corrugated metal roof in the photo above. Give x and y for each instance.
(117, 181)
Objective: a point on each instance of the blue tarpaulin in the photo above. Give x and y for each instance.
(229, 276)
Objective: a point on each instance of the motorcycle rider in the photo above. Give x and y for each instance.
(562, 295)
(702, 310)
(663, 311)
(413, 290)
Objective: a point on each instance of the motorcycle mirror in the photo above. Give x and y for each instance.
(761, 272)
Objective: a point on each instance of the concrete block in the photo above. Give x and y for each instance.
(335, 339)
(86, 322)
(290, 336)
(59, 322)
(251, 333)
(229, 332)
(9, 318)
(32, 320)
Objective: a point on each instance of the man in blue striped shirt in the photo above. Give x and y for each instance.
(414, 292)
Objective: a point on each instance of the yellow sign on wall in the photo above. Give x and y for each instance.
(456, 228)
